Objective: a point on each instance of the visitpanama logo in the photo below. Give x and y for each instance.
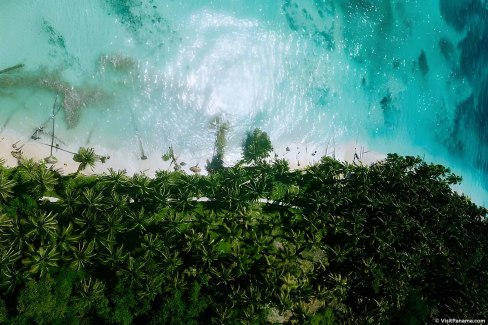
(460, 321)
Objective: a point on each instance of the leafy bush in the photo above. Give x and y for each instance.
(256, 146)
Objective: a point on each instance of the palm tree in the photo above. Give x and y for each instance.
(151, 245)
(12, 278)
(42, 225)
(44, 179)
(114, 179)
(132, 271)
(66, 237)
(8, 256)
(89, 212)
(86, 157)
(69, 201)
(257, 188)
(111, 225)
(6, 187)
(113, 256)
(27, 169)
(36, 178)
(138, 221)
(161, 197)
(42, 260)
(256, 146)
(12, 231)
(140, 187)
(217, 162)
(82, 255)
(91, 201)
(151, 287)
(117, 204)
(89, 293)
(233, 198)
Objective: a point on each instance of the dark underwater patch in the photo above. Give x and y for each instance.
(55, 38)
(390, 112)
(58, 49)
(423, 65)
(316, 21)
(462, 117)
(456, 12)
(472, 113)
(123, 9)
(447, 49)
(143, 20)
(474, 54)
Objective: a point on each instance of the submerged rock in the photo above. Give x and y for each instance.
(143, 20)
(74, 98)
(389, 110)
(313, 19)
(55, 38)
(117, 62)
(386, 102)
(58, 50)
(422, 62)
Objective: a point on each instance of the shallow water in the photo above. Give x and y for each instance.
(404, 76)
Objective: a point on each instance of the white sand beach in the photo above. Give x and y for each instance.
(298, 155)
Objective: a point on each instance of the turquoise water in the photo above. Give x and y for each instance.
(394, 75)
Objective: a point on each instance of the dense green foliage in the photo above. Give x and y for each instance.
(86, 157)
(256, 146)
(334, 243)
(217, 161)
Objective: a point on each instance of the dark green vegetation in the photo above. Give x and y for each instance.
(334, 243)
(86, 157)
(217, 161)
(256, 147)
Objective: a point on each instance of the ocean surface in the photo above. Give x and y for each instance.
(405, 76)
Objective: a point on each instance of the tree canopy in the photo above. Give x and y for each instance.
(86, 157)
(256, 146)
(334, 243)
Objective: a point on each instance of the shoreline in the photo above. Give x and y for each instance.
(298, 156)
